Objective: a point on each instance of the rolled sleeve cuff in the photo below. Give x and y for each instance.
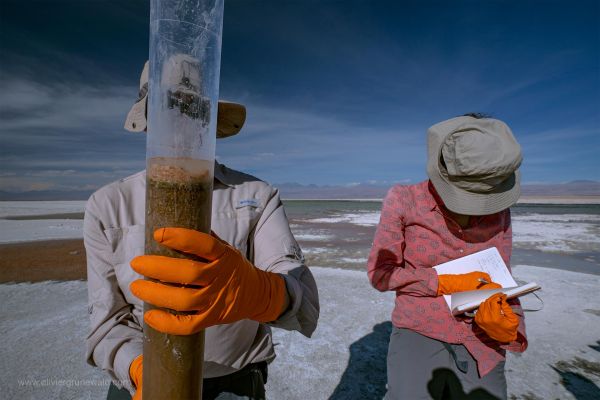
(289, 319)
(303, 312)
(123, 359)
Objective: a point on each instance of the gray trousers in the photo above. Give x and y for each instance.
(419, 367)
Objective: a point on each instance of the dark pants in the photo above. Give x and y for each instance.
(419, 367)
(247, 383)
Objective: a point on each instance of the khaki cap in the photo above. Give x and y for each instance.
(473, 165)
(230, 116)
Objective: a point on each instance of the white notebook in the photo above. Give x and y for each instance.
(489, 261)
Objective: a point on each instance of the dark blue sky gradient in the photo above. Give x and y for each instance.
(338, 92)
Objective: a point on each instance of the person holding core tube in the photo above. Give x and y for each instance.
(463, 208)
(244, 277)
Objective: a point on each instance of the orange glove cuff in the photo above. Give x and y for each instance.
(497, 319)
(135, 371)
(275, 285)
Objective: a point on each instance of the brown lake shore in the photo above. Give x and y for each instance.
(60, 260)
(64, 260)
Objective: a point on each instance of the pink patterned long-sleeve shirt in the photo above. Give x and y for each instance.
(416, 233)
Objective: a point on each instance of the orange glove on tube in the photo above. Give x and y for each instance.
(497, 319)
(224, 289)
(448, 283)
(135, 373)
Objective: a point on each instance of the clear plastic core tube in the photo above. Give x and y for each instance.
(185, 55)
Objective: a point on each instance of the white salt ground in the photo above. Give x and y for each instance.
(15, 231)
(43, 327)
(22, 208)
(18, 231)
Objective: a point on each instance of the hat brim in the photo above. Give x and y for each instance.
(230, 118)
(465, 202)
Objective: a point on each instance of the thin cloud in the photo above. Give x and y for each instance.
(342, 95)
(311, 148)
(60, 106)
(66, 135)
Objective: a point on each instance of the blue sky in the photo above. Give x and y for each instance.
(337, 92)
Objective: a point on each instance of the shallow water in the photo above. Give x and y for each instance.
(340, 233)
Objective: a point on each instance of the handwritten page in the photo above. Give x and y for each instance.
(488, 260)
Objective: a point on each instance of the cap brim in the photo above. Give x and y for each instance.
(136, 118)
(230, 118)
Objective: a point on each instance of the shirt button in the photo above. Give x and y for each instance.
(461, 250)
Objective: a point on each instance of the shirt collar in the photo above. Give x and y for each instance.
(437, 204)
(221, 174)
(435, 201)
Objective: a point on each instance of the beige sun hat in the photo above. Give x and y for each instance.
(473, 164)
(230, 116)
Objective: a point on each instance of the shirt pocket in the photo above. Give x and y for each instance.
(127, 242)
(235, 226)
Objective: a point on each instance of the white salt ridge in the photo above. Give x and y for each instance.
(558, 217)
(362, 219)
(44, 325)
(351, 260)
(316, 250)
(23, 208)
(312, 237)
(557, 233)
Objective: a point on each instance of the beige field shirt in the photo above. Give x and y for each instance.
(247, 213)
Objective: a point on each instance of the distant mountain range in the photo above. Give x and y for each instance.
(358, 191)
(370, 191)
(574, 188)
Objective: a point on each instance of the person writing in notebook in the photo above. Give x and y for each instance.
(461, 209)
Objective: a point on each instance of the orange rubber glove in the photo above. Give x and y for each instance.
(448, 283)
(227, 288)
(135, 373)
(497, 319)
